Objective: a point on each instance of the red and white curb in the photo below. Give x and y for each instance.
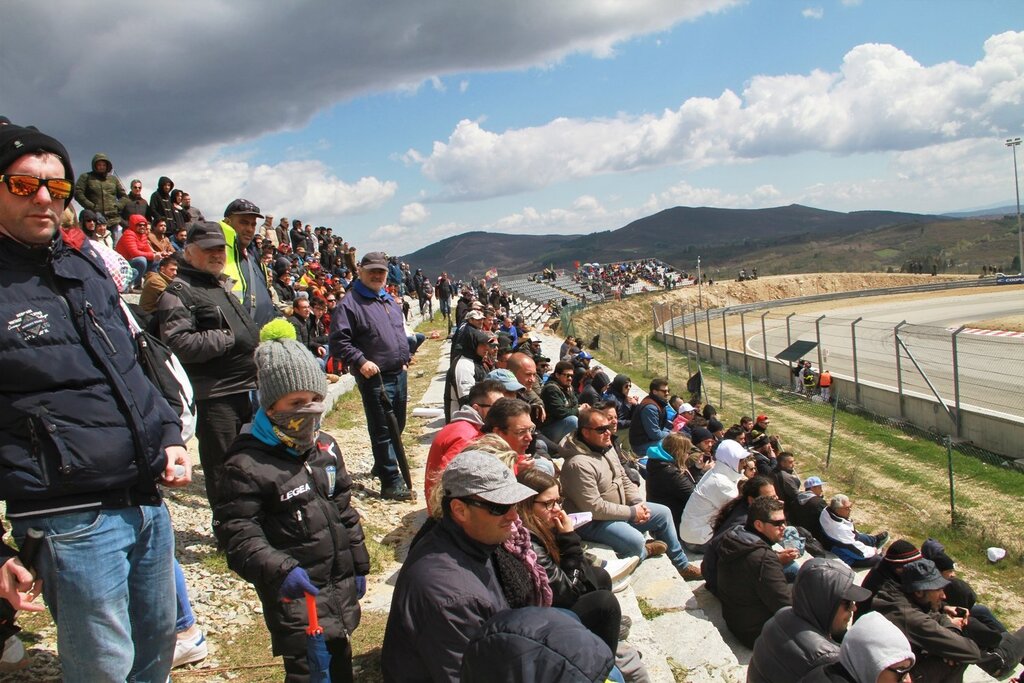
(988, 333)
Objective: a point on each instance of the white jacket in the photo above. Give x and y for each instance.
(715, 489)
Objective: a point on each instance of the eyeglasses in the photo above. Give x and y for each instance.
(603, 429)
(520, 433)
(493, 509)
(331, 301)
(900, 670)
(28, 185)
(483, 405)
(549, 505)
(776, 522)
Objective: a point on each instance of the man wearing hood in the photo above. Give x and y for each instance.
(751, 584)
(160, 203)
(807, 634)
(100, 190)
(465, 426)
(716, 488)
(594, 481)
(468, 369)
(936, 630)
(874, 651)
(618, 391)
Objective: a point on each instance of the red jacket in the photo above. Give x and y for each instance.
(452, 438)
(133, 244)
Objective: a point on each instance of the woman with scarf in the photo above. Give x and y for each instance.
(282, 512)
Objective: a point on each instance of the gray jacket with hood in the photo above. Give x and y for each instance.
(797, 638)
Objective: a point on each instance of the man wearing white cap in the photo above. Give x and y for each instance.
(448, 586)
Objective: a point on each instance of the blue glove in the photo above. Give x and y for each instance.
(360, 587)
(296, 585)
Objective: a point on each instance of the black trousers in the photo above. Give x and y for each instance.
(296, 667)
(599, 611)
(218, 422)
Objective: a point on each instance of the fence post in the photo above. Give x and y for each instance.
(956, 379)
(725, 337)
(764, 347)
(672, 323)
(789, 340)
(856, 377)
(817, 333)
(711, 348)
(665, 339)
(696, 332)
(899, 364)
(743, 332)
(952, 494)
(654, 316)
(832, 429)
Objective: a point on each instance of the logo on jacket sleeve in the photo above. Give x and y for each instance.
(29, 324)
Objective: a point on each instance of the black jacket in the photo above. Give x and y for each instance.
(275, 512)
(79, 420)
(205, 325)
(750, 583)
(573, 576)
(309, 332)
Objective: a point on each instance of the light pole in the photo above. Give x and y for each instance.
(699, 297)
(1013, 143)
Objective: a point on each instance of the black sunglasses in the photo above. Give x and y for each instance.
(494, 509)
(603, 429)
(775, 522)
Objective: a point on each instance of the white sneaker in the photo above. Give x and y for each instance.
(189, 650)
(14, 655)
(621, 571)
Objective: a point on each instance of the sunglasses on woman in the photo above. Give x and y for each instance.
(28, 185)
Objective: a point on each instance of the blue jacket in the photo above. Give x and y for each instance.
(369, 326)
(649, 425)
(80, 424)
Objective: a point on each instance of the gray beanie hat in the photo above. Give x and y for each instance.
(284, 365)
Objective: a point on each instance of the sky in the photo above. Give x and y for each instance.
(401, 123)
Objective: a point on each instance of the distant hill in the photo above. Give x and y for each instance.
(995, 211)
(675, 235)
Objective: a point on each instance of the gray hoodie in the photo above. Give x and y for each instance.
(872, 644)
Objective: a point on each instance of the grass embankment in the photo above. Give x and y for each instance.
(898, 481)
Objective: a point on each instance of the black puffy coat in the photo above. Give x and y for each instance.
(275, 512)
(750, 583)
(78, 417)
(573, 576)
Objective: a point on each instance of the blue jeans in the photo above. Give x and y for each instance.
(385, 460)
(139, 265)
(185, 619)
(108, 580)
(627, 538)
(559, 429)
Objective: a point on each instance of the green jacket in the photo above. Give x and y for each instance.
(102, 193)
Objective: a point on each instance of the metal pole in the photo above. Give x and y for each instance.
(664, 339)
(856, 378)
(711, 348)
(764, 348)
(927, 381)
(956, 379)
(952, 493)
(672, 323)
(700, 297)
(789, 340)
(743, 333)
(725, 336)
(899, 369)
(1013, 143)
(696, 333)
(654, 316)
(817, 332)
(832, 430)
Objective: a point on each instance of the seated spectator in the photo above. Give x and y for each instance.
(899, 554)
(734, 514)
(751, 584)
(764, 455)
(873, 651)
(937, 631)
(509, 418)
(134, 246)
(650, 420)
(448, 586)
(560, 404)
(684, 413)
(593, 391)
(465, 427)
(158, 239)
(787, 484)
(985, 628)
(673, 468)
(468, 368)
(510, 385)
(807, 635)
(716, 488)
(808, 508)
(308, 330)
(857, 549)
(156, 283)
(618, 391)
(594, 481)
(575, 582)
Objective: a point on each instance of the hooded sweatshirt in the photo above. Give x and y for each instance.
(715, 489)
(798, 638)
(160, 204)
(872, 644)
(616, 393)
(751, 585)
(101, 192)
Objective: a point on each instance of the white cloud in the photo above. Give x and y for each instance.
(880, 99)
(219, 74)
(813, 13)
(851, 3)
(299, 189)
(413, 214)
(463, 86)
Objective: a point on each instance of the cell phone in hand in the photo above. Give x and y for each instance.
(580, 518)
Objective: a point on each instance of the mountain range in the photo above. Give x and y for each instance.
(781, 239)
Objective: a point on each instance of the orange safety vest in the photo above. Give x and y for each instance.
(825, 379)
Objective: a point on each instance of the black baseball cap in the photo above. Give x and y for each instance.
(206, 235)
(374, 260)
(242, 206)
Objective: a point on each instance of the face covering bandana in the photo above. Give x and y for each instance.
(298, 429)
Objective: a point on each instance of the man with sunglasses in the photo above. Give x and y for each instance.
(593, 480)
(561, 406)
(86, 478)
(448, 586)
